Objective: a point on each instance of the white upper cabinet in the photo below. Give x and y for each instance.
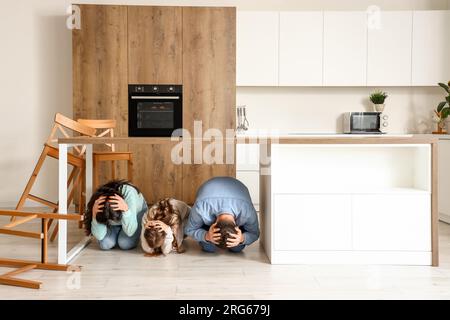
(257, 48)
(345, 48)
(389, 49)
(301, 48)
(431, 48)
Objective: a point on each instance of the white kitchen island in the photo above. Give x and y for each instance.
(349, 200)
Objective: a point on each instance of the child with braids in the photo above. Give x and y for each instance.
(163, 227)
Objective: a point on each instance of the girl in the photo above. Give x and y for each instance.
(114, 213)
(163, 227)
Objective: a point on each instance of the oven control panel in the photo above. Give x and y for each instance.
(155, 89)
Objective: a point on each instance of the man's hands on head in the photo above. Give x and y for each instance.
(235, 239)
(213, 234)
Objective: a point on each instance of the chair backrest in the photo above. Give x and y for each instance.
(62, 124)
(103, 128)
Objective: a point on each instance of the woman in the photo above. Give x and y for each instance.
(114, 213)
(162, 227)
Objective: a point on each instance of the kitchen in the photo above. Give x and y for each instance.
(295, 76)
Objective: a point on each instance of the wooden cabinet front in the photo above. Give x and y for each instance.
(155, 45)
(154, 172)
(100, 84)
(195, 47)
(209, 83)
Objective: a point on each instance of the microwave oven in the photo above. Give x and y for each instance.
(365, 122)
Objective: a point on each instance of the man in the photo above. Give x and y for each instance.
(223, 216)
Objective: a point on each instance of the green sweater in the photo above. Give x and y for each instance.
(136, 204)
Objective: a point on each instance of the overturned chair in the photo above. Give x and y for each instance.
(20, 218)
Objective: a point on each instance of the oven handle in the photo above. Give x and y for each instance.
(155, 98)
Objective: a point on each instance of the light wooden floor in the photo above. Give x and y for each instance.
(196, 275)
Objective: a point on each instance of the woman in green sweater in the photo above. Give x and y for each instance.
(114, 213)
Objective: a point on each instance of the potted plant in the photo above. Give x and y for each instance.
(378, 98)
(443, 110)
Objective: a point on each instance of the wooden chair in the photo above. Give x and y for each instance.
(74, 158)
(105, 128)
(22, 266)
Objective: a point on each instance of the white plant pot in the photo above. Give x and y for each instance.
(378, 107)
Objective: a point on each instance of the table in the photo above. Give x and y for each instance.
(65, 257)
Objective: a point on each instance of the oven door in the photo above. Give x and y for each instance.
(365, 122)
(155, 116)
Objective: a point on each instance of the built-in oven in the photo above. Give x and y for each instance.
(155, 110)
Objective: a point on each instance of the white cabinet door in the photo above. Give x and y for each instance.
(431, 48)
(444, 180)
(257, 48)
(389, 50)
(392, 222)
(301, 48)
(251, 181)
(312, 222)
(345, 48)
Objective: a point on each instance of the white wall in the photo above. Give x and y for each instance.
(319, 109)
(35, 79)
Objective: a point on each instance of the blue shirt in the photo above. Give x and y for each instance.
(218, 196)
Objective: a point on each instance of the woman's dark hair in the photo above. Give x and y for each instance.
(107, 214)
(226, 228)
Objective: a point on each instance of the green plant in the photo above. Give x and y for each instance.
(443, 108)
(378, 97)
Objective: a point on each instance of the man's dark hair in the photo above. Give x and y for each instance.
(107, 214)
(226, 228)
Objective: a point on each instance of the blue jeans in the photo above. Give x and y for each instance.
(211, 247)
(116, 236)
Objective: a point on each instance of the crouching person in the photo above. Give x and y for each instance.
(114, 213)
(223, 216)
(163, 227)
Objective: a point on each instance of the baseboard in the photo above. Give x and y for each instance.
(444, 218)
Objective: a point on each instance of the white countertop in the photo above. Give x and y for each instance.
(283, 134)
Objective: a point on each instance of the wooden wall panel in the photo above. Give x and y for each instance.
(155, 174)
(155, 45)
(100, 78)
(209, 82)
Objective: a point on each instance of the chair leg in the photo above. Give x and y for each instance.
(44, 241)
(130, 169)
(32, 180)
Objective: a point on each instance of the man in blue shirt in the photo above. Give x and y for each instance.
(223, 216)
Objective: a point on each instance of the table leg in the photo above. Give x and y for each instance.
(89, 171)
(89, 185)
(62, 204)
